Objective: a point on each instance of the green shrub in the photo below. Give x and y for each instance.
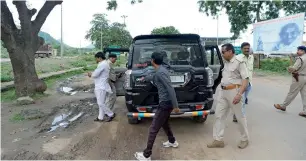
(80, 63)
(6, 78)
(279, 65)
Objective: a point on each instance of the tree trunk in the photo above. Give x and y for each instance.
(26, 80)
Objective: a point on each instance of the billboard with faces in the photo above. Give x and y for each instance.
(281, 35)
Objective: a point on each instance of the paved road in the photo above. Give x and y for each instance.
(274, 134)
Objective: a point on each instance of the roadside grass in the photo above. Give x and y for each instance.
(47, 65)
(9, 95)
(17, 118)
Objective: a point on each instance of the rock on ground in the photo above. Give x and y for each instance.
(25, 100)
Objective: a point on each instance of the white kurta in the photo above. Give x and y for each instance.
(102, 87)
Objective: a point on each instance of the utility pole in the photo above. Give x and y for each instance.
(101, 36)
(217, 29)
(124, 17)
(62, 45)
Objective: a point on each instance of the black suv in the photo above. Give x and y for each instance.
(194, 70)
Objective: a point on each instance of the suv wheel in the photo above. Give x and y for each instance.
(199, 119)
(132, 120)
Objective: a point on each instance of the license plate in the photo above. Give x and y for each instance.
(177, 79)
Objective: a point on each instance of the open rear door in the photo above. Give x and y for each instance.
(215, 63)
(119, 83)
(121, 60)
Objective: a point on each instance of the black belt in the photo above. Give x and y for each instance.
(113, 81)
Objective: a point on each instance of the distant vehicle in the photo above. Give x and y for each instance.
(276, 56)
(44, 51)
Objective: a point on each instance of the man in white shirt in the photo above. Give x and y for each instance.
(102, 87)
(248, 58)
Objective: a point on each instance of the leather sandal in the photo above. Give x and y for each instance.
(277, 106)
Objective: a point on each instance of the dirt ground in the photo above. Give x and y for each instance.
(76, 136)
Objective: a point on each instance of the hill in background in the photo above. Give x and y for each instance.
(55, 44)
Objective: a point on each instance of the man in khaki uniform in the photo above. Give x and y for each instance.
(233, 84)
(111, 97)
(298, 85)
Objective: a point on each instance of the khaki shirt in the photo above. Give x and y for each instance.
(299, 65)
(234, 72)
(112, 74)
(249, 64)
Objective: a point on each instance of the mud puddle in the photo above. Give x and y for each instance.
(69, 115)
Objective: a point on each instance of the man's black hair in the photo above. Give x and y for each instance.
(302, 48)
(157, 58)
(228, 47)
(245, 44)
(100, 55)
(111, 55)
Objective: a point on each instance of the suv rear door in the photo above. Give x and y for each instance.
(215, 62)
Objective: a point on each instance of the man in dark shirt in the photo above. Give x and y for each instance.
(167, 104)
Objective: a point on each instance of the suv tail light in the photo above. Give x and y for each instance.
(127, 81)
(210, 82)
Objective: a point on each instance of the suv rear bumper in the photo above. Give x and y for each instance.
(180, 114)
(186, 110)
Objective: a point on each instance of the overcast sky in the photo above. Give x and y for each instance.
(142, 18)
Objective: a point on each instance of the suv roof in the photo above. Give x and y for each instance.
(177, 36)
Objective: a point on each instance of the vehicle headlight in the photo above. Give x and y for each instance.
(210, 82)
(127, 81)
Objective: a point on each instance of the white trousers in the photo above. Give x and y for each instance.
(103, 109)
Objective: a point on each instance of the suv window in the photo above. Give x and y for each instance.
(174, 54)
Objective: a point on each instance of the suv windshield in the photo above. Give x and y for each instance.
(174, 54)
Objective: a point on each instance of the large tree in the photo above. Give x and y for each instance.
(23, 42)
(112, 34)
(165, 30)
(243, 13)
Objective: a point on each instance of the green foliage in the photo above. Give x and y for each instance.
(112, 34)
(4, 53)
(278, 65)
(165, 30)
(112, 4)
(121, 61)
(51, 40)
(17, 117)
(243, 13)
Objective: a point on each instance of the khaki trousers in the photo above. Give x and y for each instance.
(295, 89)
(224, 104)
(111, 97)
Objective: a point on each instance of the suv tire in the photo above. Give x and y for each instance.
(199, 119)
(132, 120)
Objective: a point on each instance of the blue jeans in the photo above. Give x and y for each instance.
(245, 95)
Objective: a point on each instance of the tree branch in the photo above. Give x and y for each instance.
(7, 20)
(23, 12)
(43, 14)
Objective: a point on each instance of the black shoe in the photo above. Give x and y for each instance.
(109, 119)
(246, 101)
(234, 119)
